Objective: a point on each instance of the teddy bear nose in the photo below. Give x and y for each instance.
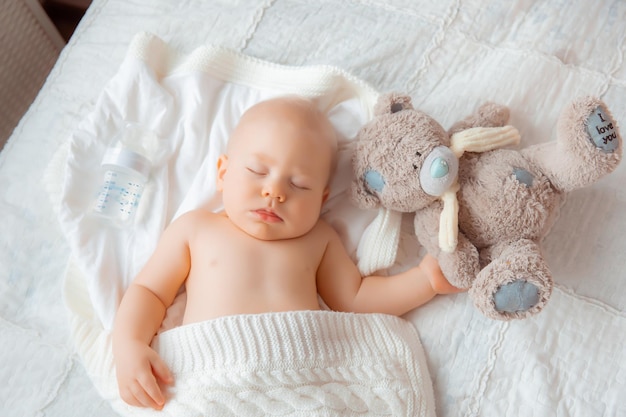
(439, 168)
(439, 171)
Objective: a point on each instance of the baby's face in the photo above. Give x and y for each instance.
(274, 178)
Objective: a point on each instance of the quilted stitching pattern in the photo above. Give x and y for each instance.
(533, 56)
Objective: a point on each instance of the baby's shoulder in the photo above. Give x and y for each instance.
(197, 215)
(324, 230)
(194, 220)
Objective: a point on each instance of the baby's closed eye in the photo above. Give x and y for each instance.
(299, 184)
(256, 170)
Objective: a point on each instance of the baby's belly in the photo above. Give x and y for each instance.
(209, 303)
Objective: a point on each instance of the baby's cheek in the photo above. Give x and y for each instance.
(309, 214)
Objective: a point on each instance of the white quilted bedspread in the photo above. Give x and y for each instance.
(450, 55)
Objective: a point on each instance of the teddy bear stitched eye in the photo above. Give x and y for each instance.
(418, 154)
(396, 107)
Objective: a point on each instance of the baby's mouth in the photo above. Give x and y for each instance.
(268, 215)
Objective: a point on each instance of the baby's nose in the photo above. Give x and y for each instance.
(274, 190)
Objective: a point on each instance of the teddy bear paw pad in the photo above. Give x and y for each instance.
(516, 296)
(602, 130)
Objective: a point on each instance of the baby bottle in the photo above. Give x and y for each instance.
(126, 168)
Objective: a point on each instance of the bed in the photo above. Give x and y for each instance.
(450, 56)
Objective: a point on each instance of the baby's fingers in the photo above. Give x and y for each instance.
(438, 281)
(147, 392)
(136, 396)
(161, 371)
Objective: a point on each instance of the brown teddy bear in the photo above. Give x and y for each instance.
(482, 210)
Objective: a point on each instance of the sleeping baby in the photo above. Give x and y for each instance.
(267, 251)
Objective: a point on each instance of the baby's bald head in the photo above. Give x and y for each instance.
(294, 113)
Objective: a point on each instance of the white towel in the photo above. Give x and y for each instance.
(191, 103)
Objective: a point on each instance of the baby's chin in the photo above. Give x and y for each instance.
(271, 232)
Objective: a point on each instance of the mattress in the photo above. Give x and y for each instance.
(451, 56)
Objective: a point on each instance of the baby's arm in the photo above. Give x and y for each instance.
(143, 307)
(341, 286)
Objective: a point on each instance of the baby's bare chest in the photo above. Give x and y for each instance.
(241, 259)
(233, 273)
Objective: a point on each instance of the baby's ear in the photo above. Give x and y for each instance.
(222, 162)
(325, 195)
(392, 103)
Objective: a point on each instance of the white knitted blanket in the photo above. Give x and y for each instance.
(306, 363)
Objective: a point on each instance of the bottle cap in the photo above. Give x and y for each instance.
(126, 158)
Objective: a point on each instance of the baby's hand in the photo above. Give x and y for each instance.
(139, 370)
(438, 281)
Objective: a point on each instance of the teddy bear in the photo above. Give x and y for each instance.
(481, 207)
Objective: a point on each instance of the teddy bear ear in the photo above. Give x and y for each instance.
(488, 115)
(361, 196)
(392, 103)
